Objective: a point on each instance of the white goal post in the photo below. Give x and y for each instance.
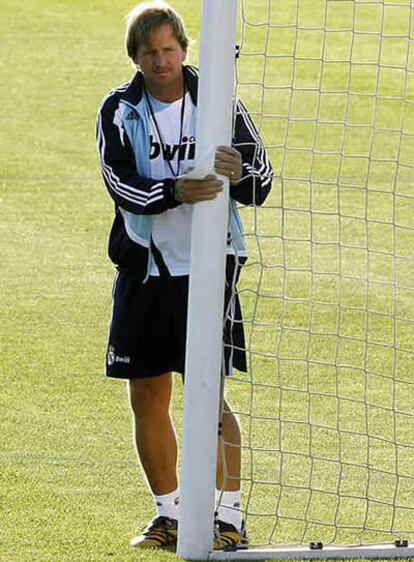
(327, 406)
(206, 290)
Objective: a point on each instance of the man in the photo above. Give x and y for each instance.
(146, 142)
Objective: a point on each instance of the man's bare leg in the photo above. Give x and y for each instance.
(229, 452)
(154, 432)
(229, 516)
(156, 441)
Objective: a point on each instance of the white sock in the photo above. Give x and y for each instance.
(167, 505)
(228, 509)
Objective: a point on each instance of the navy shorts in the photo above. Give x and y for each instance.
(147, 334)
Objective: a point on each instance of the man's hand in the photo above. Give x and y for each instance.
(194, 191)
(228, 162)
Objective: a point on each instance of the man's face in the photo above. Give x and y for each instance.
(160, 60)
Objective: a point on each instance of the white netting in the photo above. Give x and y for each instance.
(327, 407)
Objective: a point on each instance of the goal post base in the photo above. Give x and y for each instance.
(307, 553)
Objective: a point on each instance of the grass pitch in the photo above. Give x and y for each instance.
(70, 488)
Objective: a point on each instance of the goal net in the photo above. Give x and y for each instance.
(327, 405)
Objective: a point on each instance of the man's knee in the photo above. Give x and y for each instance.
(150, 395)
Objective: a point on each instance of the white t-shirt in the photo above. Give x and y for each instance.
(171, 230)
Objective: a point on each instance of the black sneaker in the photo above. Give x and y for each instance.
(161, 531)
(227, 537)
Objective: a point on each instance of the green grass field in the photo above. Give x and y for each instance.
(331, 336)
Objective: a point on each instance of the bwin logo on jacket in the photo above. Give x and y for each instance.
(185, 152)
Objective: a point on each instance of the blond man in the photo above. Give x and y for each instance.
(146, 142)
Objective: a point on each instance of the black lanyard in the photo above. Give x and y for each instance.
(160, 137)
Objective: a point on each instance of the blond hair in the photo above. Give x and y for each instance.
(148, 16)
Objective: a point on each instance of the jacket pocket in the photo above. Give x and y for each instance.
(124, 252)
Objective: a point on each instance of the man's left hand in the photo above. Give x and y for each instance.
(228, 162)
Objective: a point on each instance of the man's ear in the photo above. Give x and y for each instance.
(135, 59)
